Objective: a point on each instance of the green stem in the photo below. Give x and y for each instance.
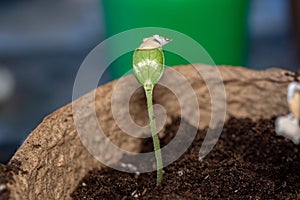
(159, 163)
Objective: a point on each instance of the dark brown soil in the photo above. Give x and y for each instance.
(4, 192)
(248, 162)
(6, 173)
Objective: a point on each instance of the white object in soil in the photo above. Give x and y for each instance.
(2, 187)
(294, 99)
(289, 126)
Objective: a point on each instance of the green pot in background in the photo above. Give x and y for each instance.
(220, 26)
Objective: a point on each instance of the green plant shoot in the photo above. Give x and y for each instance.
(148, 67)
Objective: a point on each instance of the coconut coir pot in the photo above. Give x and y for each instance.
(52, 161)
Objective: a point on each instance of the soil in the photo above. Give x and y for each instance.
(6, 173)
(248, 162)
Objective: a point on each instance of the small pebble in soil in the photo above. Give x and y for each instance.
(2, 187)
(180, 173)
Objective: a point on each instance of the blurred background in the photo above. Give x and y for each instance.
(43, 43)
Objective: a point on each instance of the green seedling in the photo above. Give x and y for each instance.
(148, 67)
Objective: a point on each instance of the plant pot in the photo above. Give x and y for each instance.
(212, 24)
(52, 160)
